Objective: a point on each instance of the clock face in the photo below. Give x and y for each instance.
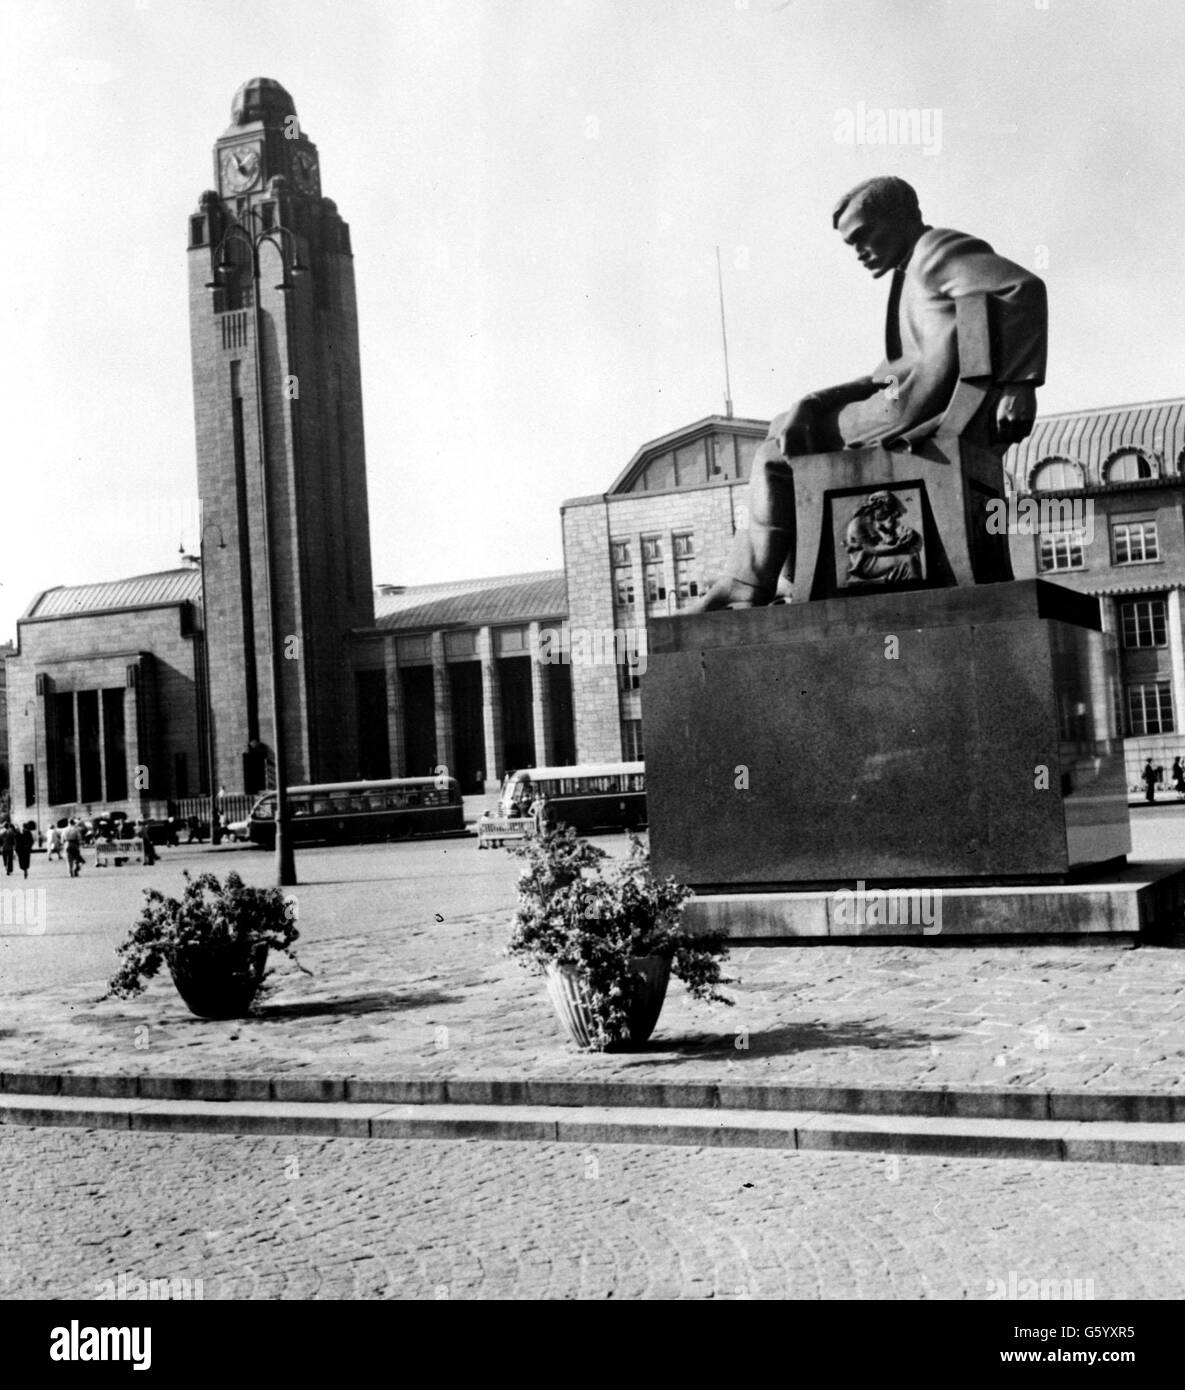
(304, 170)
(240, 168)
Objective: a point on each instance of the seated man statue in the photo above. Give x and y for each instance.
(906, 396)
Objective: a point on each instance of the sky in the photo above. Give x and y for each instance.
(536, 190)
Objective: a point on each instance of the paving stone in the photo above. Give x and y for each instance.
(289, 1217)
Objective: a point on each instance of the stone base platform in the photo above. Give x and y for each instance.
(1140, 900)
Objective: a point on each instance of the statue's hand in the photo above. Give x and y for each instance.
(794, 431)
(1015, 413)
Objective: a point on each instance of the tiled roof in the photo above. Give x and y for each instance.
(170, 586)
(1090, 436)
(509, 598)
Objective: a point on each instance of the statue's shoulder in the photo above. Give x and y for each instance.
(937, 247)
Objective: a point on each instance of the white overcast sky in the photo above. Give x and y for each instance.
(535, 189)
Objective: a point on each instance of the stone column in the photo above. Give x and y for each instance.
(41, 728)
(491, 709)
(396, 742)
(541, 719)
(444, 704)
(77, 753)
(137, 795)
(102, 749)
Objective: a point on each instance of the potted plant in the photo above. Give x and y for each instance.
(608, 938)
(214, 939)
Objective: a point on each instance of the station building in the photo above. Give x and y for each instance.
(1113, 481)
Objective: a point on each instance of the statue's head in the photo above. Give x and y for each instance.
(880, 220)
(881, 506)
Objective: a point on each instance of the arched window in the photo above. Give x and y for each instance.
(1128, 466)
(1056, 474)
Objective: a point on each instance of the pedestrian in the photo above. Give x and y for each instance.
(24, 847)
(216, 827)
(1148, 777)
(1178, 776)
(191, 826)
(55, 844)
(149, 850)
(8, 845)
(72, 835)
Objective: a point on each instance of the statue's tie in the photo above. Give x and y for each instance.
(892, 319)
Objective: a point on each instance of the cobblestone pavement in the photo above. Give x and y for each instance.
(410, 981)
(342, 1218)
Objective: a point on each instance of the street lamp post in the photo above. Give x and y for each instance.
(282, 239)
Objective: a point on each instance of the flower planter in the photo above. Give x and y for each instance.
(567, 989)
(218, 982)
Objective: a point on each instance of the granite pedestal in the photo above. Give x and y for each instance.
(942, 737)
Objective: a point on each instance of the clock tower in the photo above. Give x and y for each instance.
(280, 454)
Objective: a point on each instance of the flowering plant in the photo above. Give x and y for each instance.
(573, 911)
(232, 921)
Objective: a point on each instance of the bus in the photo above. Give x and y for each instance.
(610, 795)
(332, 812)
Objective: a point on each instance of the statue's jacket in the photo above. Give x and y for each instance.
(921, 366)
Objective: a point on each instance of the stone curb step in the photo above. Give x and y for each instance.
(936, 1102)
(1099, 1142)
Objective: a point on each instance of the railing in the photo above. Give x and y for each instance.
(230, 808)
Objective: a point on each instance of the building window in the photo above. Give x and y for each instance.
(684, 547)
(656, 589)
(115, 755)
(1127, 466)
(1144, 622)
(1135, 542)
(1060, 550)
(691, 466)
(631, 740)
(746, 448)
(1149, 709)
(659, 474)
(413, 649)
(620, 551)
(628, 677)
(512, 641)
(723, 456)
(1056, 475)
(651, 548)
(90, 753)
(686, 582)
(623, 591)
(63, 780)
